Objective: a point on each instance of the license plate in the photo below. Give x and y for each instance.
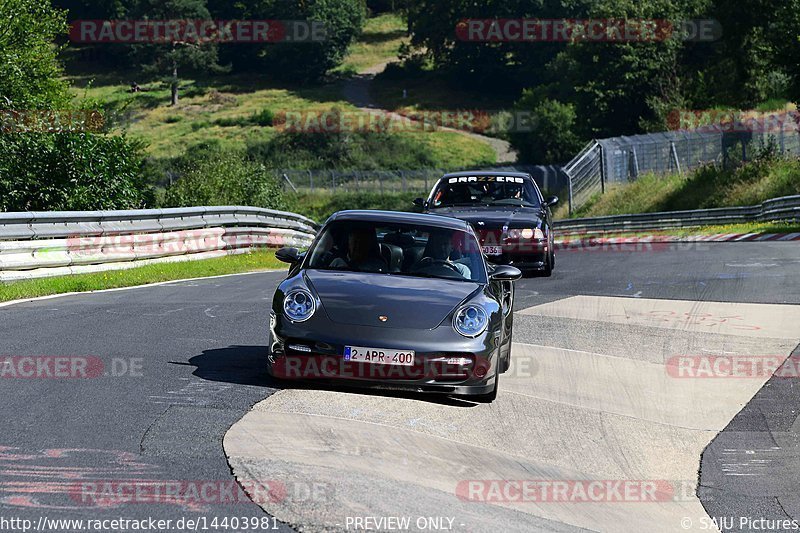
(493, 250)
(379, 356)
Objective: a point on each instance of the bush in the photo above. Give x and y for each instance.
(265, 117)
(71, 171)
(211, 175)
(553, 139)
(305, 61)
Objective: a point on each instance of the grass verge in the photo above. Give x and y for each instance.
(143, 275)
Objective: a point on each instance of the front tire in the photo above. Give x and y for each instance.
(548, 267)
(489, 397)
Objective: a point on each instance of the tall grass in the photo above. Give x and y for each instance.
(709, 186)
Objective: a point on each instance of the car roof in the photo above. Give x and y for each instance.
(487, 173)
(401, 217)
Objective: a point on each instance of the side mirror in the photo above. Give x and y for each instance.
(419, 202)
(505, 273)
(550, 202)
(288, 255)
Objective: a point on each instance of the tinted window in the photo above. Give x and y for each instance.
(401, 249)
(485, 190)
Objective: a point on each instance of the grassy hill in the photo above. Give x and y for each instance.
(235, 110)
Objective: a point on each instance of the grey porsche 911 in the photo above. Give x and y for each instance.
(394, 301)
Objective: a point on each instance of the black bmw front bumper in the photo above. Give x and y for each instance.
(524, 256)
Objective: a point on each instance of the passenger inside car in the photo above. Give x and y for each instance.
(363, 252)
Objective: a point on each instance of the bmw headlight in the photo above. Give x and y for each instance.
(470, 320)
(299, 305)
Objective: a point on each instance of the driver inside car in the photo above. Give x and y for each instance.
(436, 259)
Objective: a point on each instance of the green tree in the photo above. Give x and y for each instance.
(553, 139)
(200, 55)
(309, 61)
(31, 76)
(786, 39)
(55, 170)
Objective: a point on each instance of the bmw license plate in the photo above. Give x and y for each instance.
(493, 250)
(380, 356)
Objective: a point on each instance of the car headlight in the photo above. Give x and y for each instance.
(299, 305)
(470, 320)
(526, 233)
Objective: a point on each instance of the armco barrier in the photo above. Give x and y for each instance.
(38, 244)
(784, 209)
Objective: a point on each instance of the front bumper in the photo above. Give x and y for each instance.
(523, 254)
(442, 364)
(536, 261)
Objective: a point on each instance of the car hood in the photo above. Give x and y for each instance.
(494, 216)
(359, 298)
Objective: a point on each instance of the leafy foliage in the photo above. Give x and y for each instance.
(342, 20)
(68, 171)
(553, 139)
(31, 77)
(71, 171)
(166, 59)
(620, 88)
(210, 175)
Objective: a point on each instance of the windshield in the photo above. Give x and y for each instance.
(399, 249)
(486, 190)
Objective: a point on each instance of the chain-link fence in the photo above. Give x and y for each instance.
(607, 162)
(550, 179)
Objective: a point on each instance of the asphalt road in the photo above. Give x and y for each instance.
(190, 359)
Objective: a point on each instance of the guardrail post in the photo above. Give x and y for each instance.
(602, 170)
(675, 157)
(570, 194)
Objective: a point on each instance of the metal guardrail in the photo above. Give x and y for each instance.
(784, 209)
(38, 244)
(584, 175)
(618, 160)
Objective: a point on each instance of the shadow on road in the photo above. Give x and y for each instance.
(246, 365)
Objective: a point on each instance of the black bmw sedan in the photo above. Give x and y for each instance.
(397, 301)
(512, 219)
